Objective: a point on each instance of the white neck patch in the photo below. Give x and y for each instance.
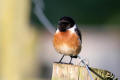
(70, 29)
(57, 30)
(73, 28)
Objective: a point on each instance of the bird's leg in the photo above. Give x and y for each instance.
(70, 59)
(61, 59)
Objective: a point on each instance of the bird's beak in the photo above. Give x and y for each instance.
(62, 29)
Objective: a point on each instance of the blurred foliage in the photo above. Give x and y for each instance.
(110, 76)
(86, 12)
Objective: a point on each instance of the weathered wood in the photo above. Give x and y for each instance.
(74, 72)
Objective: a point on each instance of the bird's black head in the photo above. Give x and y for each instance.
(65, 23)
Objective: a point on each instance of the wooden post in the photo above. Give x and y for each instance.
(74, 72)
(17, 40)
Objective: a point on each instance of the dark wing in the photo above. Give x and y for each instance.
(78, 33)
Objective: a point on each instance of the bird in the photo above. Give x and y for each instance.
(67, 39)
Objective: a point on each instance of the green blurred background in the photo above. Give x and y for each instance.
(85, 12)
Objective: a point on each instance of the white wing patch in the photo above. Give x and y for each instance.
(72, 30)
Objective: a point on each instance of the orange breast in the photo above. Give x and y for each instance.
(67, 43)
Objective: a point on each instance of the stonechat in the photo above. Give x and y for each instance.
(67, 38)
